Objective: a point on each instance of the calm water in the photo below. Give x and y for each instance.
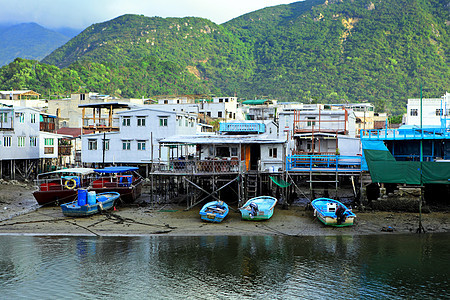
(341, 267)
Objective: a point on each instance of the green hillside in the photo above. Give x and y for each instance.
(326, 51)
(28, 40)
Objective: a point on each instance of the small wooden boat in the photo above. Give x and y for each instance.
(332, 212)
(80, 208)
(214, 211)
(258, 208)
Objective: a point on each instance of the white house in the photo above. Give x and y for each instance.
(136, 142)
(319, 131)
(217, 108)
(19, 133)
(434, 110)
(240, 146)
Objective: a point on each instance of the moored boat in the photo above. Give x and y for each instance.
(214, 211)
(332, 212)
(90, 205)
(61, 186)
(124, 180)
(258, 208)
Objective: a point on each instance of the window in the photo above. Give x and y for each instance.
(49, 150)
(7, 141)
(414, 112)
(49, 142)
(33, 118)
(33, 141)
(234, 151)
(106, 145)
(186, 122)
(21, 117)
(92, 144)
(219, 114)
(163, 121)
(126, 121)
(141, 121)
(141, 145)
(3, 117)
(439, 112)
(82, 96)
(273, 152)
(126, 144)
(309, 123)
(21, 141)
(208, 114)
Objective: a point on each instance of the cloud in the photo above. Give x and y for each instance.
(82, 13)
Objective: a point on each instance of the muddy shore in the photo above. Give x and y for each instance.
(21, 215)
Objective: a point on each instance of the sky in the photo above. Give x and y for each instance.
(80, 14)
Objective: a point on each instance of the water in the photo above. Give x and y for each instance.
(221, 267)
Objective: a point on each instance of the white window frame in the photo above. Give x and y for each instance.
(126, 121)
(92, 144)
(141, 145)
(7, 141)
(163, 121)
(33, 118)
(49, 142)
(126, 145)
(20, 141)
(106, 144)
(141, 121)
(33, 141)
(273, 152)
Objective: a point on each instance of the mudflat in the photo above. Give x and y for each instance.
(20, 215)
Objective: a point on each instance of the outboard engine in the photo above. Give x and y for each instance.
(340, 214)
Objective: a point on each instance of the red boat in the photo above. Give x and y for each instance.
(61, 186)
(124, 180)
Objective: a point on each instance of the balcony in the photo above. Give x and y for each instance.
(194, 166)
(324, 163)
(65, 150)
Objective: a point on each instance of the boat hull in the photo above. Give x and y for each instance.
(266, 205)
(330, 218)
(74, 210)
(214, 211)
(55, 197)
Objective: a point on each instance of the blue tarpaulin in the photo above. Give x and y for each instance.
(116, 169)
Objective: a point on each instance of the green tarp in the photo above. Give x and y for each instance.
(280, 182)
(384, 168)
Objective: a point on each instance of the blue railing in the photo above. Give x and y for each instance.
(334, 163)
(405, 134)
(242, 127)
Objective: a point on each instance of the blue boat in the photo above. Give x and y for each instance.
(82, 208)
(258, 208)
(332, 212)
(214, 211)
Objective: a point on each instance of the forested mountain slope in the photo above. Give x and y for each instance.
(325, 51)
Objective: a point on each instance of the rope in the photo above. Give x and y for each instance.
(298, 187)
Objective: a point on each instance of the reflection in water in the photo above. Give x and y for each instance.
(385, 266)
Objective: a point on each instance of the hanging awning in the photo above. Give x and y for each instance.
(280, 182)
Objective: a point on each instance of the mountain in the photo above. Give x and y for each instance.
(326, 51)
(28, 40)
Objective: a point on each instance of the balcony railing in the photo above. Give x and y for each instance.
(403, 134)
(199, 166)
(332, 163)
